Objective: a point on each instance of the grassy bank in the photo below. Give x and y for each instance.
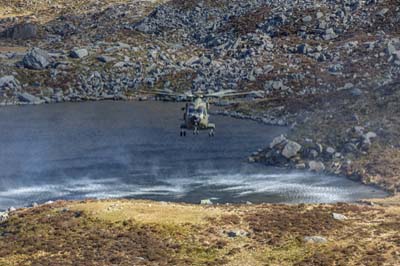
(123, 232)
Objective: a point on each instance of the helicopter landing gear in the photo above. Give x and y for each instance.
(211, 133)
(195, 131)
(183, 133)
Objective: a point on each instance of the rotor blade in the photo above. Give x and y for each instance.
(164, 93)
(223, 94)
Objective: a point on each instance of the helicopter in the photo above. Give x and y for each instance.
(196, 117)
(196, 110)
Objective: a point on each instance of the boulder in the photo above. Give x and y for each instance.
(291, 149)
(339, 217)
(29, 98)
(382, 12)
(315, 239)
(36, 59)
(278, 140)
(356, 92)
(330, 150)
(23, 31)
(3, 216)
(9, 82)
(307, 19)
(358, 130)
(369, 136)
(329, 34)
(350, 147)
(105, 58)
(316, 166)
(79, 53)
(303, 48)
(237, 233)
(206, 202)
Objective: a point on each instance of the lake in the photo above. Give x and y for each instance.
(133, 150)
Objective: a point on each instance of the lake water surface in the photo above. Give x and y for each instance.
(133, 150)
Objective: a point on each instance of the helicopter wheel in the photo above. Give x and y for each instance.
(184, 133)
(211, 134)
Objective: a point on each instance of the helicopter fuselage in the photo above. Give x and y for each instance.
(196, 116)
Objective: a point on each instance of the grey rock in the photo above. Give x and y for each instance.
(9, 82)
(307, 19)
(79, 53)
(275, 85)
(358, 130)
(301, 166)
(315, 239)
(237, 233)
(369, 136)
(303, 48)
(330, 150)
(338, 216)
(291, 149)
(3, 216)
(23, 31)
(329, 34)
(356, 92)
(316, 166)
(192, 61)
(382, 12)
(278, 140)
(392, 47)
(336, 68)
(320, 15)
(105, 58)
(350, 147)
(29, 98)
(313, 153)
(36, 59)
(206, 202)
(11, 209)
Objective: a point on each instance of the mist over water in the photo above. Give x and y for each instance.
(133, 150)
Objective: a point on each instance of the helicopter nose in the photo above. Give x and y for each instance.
(195, 117)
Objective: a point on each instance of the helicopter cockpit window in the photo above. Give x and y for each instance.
(201, 110)
(191, 109)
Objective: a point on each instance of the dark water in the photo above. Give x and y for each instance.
(107, 149)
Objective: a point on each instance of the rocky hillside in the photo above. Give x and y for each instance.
(331, 69)
(153, 233)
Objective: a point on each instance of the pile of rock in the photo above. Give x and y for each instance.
(314, 156)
